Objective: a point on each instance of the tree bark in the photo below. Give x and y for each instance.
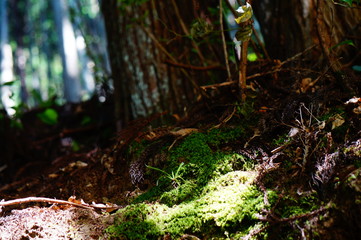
(148, 45)
(290, 26)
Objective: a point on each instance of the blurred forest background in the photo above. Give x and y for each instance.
(161, 53)
(51, 49)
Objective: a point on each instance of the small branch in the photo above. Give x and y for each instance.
(224, 40)
(255, 232)
(260, 43)
(161, 48)
(54, 201)
(234, 12)
(242, 69)
(186, 31)
(217, 85)
(306, 215)
(198, 68)
(297, 55)
(239, 2)
(273, 219)
(275, 69)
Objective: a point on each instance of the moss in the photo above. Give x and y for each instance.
(216, 196)
(179, 194)
(353, 180)
(132, 223)
(290, 206)
(136, 148)
(202, 161)
(225, 204)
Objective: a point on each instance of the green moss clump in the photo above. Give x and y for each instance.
(132, 223)
(225, 204)
(202, 159)
(353, 180)
(180, 194)
(215, 195)
(292, 206)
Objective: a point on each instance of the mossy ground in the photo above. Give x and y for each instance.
(232, 183)
(216, 195)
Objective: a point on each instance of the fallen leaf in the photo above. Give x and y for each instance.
(338, 121)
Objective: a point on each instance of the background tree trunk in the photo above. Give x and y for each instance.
(68, 50)
(290, 26)
(18, 14)
(6, 60)
(153, 55)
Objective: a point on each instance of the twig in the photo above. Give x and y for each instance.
(186, 31)
(224, 40)
(260, 43)
(229, 5)
(242, 69)
(305, 215)
(275, 219)
(239, 2)
(274, 70)
(297, 55)
(54, 201)
(198, 68)
(255, 232)
(160, 46)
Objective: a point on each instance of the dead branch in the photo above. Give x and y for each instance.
(161, 48)
(273, 219)
(229, 5)
(224, 40)
(198, 68)
(55, 201)
(242, 69)
(186, 31)
(297, 55)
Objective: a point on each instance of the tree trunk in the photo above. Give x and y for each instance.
(6, 60)
(17, 17)
(154, 56)
(68, 51)
(290, 26)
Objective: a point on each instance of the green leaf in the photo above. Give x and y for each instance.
(75, 146)
(86, 120)
(349, 2)
(346, 42)
(252, 57)
(48, 116)
(7, 83)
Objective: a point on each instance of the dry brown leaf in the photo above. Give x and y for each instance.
(337, 121)
(184, 132)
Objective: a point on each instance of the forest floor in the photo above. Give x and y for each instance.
(296, 142)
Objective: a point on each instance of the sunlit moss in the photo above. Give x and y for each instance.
(216, 196)
(225, 203)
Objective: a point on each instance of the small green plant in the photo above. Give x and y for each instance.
(281, 140)
(174, 176)
(346, 3)
(48, 116)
